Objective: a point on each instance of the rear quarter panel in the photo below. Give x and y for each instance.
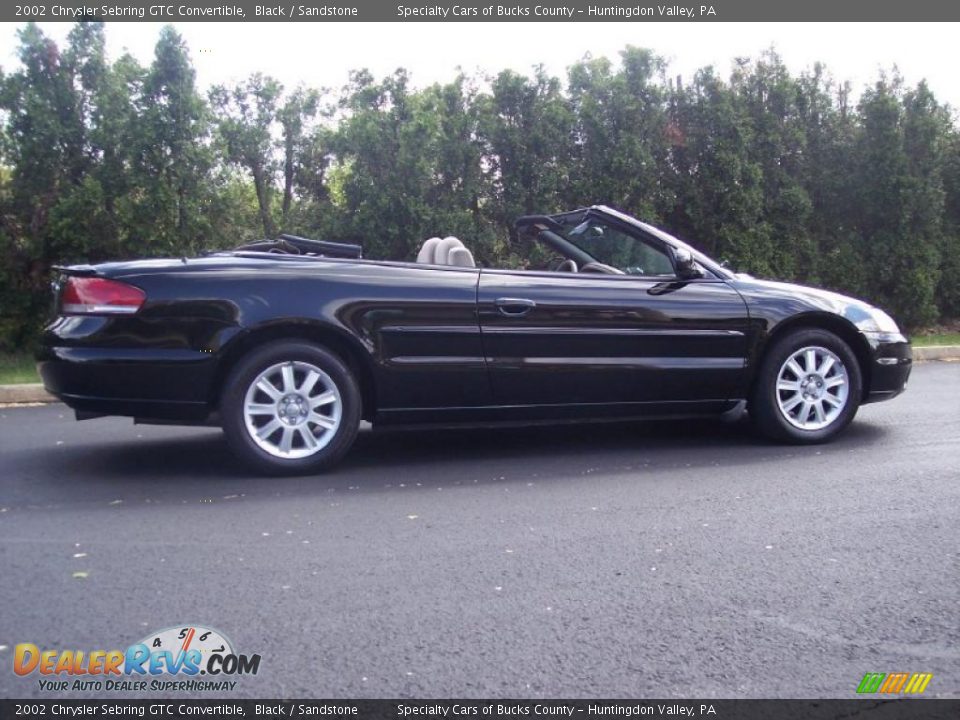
(415, 327)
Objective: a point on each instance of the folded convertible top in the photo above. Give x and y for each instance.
(296, 245)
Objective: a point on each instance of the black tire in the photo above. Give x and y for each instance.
(765, 401)
(299, 357)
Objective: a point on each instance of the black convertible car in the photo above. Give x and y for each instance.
(288, 344)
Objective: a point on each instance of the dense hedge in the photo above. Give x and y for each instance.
(780, 175)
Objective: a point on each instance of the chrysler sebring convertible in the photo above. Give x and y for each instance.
(288, 344)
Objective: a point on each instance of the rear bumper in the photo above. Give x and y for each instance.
(891, 363)
(161, 384)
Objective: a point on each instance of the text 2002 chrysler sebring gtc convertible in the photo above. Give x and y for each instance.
(289, 344)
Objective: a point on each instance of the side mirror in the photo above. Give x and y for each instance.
(685, 265)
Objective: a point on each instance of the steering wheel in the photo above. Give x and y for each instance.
(567, 265)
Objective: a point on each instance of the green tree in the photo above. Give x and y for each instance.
(526, 126)
(246, 117)
(620, 124)
(948, 291)
(407, 165)
(44, 153)
(717, 186)
(173, 158)
(901, 197)
(830, 129)
(781, 174)
(770, 96)
(297, 111)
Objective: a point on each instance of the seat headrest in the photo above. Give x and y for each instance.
(428, 251)
(461, 257)
(442, 251)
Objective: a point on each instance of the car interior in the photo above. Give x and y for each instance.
(575, 245)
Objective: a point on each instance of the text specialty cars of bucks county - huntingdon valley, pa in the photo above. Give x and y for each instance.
(289, 343)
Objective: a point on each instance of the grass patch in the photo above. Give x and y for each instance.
(17, 368)
(932, 339)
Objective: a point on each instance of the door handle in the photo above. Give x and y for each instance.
(514, 307)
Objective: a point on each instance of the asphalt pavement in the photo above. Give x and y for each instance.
(680, 559)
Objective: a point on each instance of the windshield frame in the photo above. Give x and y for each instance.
(641, 231)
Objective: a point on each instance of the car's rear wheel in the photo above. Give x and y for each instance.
(808, 388)
(290, 407)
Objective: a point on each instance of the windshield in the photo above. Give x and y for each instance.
(621, 250)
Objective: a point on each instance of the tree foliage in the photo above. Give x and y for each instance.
(778, 174)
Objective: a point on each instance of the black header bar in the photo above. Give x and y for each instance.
(873, 708)
(852, 11)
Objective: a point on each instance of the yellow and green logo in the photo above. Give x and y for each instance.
(894, 683)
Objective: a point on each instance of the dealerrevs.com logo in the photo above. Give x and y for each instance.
(894, 683)
(190, 658)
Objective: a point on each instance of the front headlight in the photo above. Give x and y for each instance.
(882, 322)
(879, 327)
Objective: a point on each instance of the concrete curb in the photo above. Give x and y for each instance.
(25, 393)
(936, 352)
(34, 392)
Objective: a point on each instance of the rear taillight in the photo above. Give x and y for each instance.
(99, 296)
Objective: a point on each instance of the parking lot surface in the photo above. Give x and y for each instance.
(655, 560)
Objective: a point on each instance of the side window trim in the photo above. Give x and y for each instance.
(651, 279)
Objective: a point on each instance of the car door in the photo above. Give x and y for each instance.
(554, 338)
(420, 326)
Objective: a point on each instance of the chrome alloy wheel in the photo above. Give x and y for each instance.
(812, 388)
(292, 410)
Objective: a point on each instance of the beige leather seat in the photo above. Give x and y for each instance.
(448, 251)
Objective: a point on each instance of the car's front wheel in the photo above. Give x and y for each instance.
(808, 388)
(290, 407)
